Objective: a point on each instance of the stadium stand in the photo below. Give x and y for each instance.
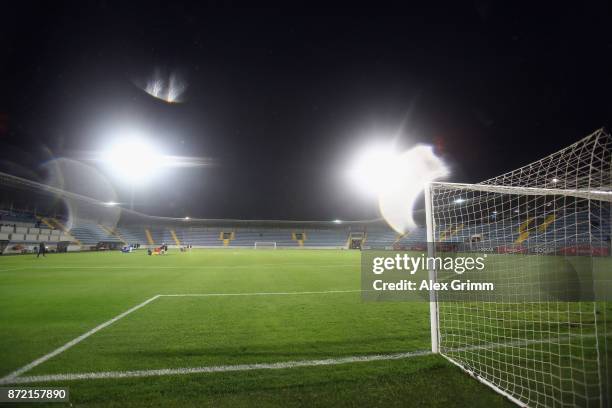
(248, 237)
(206, 237)
(21, 232)
(26, 229)
(326, 238)
(88, 232)
(380, 239)
(132, 236)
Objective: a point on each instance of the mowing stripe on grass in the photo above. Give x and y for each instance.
(327, 265)
(73, 342)
(323, 292)
(51, 267)
(216, 369)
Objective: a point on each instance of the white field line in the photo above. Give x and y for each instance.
(10, 378)
(217, 369)
(72, 342)
(249, 367)
(14, 269)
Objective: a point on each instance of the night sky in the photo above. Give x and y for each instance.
(280, 98)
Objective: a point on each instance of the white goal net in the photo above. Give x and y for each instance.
(543, 226)
(265, 245)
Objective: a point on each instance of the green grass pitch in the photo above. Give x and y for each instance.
(44, 303)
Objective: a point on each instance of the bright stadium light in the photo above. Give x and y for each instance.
(555, 180)
(111, 204)
(459, 200)
(137, 161)
(133, 159)
(370, 170)
(187, 218)
(337, 221)
(396, 179)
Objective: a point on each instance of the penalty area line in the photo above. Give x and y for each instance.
(14, 269)
(217, 369)
(10, 377)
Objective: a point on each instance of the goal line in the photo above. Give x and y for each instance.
(217, 369)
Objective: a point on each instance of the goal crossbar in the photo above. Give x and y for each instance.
(264, 244)
(598, 195)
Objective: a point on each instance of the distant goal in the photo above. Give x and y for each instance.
(265, 245)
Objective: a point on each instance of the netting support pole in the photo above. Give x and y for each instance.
(433, 305)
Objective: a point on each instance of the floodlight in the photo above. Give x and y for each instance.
(133, 159)
(337, 221)
(111, 204)
(459, 200)
(555, 180)
(372, 167)
(396, 179)
(187, 218)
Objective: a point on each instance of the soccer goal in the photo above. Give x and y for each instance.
(538, 224)
(265, 245)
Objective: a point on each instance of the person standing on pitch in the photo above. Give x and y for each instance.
(41, 249)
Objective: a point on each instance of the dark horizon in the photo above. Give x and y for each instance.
(281, 98)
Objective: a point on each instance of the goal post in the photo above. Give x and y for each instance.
(264, 245)
(538, 224)
(433, 305)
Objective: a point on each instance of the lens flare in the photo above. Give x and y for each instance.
(86, 180)
(168, 88)
(396, 179)
(412, 170)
